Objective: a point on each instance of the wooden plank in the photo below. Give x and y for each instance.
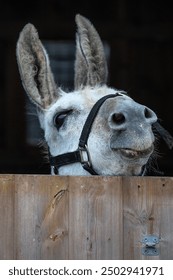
(165, 203)
(148, 209)
(6, 216)
(37, 228)
(95, 218)
(54, 227)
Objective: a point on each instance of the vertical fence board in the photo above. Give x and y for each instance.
(6, 216)
(166, 217)
(35, 229)
(95, 218)
(54, 227)
(148, 206)
(138, 214)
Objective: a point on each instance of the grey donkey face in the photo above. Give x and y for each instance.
(121, 140)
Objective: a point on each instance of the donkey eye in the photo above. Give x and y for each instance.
(60, 118)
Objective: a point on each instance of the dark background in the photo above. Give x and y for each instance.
(140, 36)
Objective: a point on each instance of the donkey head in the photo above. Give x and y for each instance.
(117, 138)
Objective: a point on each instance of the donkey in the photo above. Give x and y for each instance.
(95, 129)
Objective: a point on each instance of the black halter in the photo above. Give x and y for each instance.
(81, 154)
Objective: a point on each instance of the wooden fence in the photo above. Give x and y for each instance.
(52, 217)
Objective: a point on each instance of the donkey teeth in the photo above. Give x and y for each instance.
(129, 153)
(134, 154)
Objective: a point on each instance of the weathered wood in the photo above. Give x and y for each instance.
(148, 207)
(52, 217)
(96, 218)
(6, 217)
(38, 217)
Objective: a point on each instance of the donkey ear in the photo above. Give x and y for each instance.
(90, 65)
(34, 68)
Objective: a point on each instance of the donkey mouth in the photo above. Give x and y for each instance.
(134, 154)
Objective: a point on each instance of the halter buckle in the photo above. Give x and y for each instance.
(55, 170)
(84, 156)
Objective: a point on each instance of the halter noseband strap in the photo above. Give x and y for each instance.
(81, 154)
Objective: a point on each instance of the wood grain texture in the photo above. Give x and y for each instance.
(52, 217)
(38, 215)
(6, 217)
(148, 205)
(95, 218)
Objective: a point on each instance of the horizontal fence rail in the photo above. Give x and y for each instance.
(53, 217)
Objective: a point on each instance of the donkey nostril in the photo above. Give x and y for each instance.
(118, 118)
(147, 113)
